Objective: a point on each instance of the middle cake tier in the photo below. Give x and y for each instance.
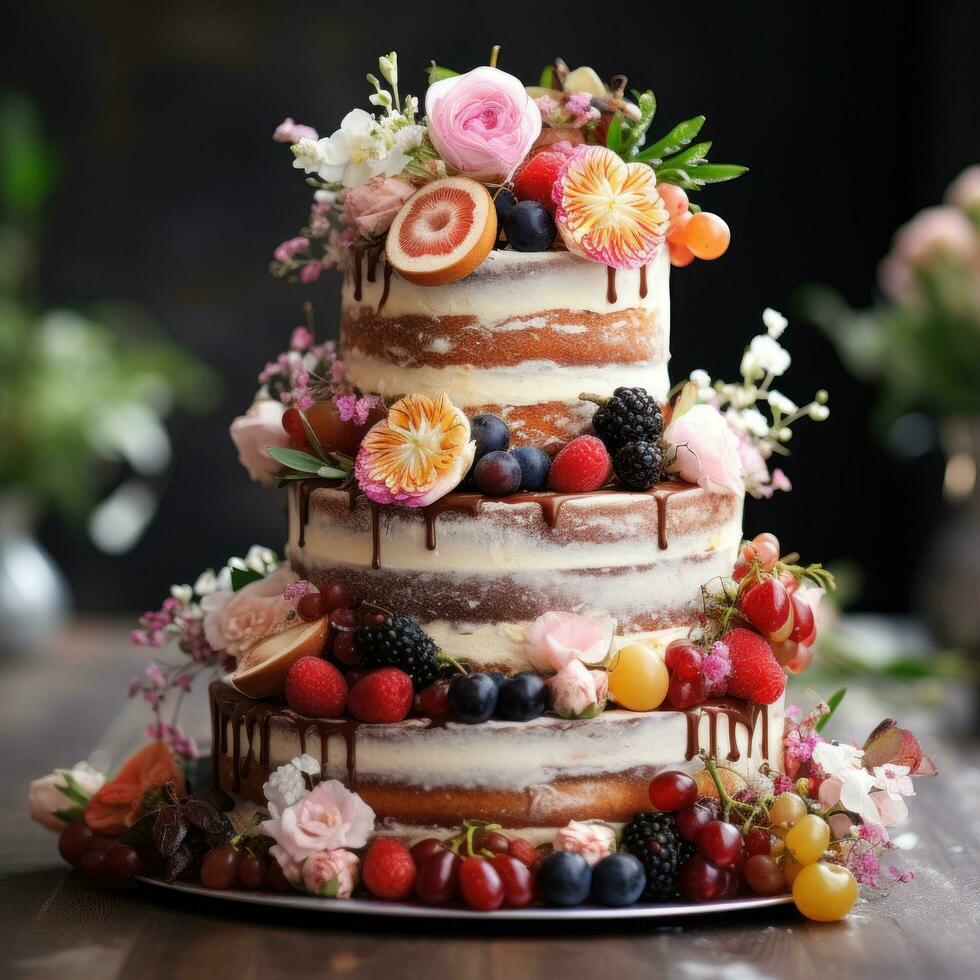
(474, 570)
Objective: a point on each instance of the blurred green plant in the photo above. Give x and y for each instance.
(83, 394)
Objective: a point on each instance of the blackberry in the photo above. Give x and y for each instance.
(637, 464)
(656, 841)
(398, 642)
(630, 415)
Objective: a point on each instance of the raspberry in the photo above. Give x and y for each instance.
(638, 464)
(583, 465)
(388, 871)
(631, 414)
(397, 642)
(535, 179)
(383, 696)
(756, 674)
(316, 688)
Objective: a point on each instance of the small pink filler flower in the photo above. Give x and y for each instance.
(592, 840)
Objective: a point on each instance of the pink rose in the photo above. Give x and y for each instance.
(331, 874)
(482, 123)
(235, 621)
(592, 840)
(706, 450)
(577, 692)
(372, 206)
(259, 427)
(327, 818)
(292, 132)
(555, 639)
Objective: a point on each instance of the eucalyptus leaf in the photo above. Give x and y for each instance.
(331, 473)
(675, 140)
(716, 173)
(312, 436)
(294, 459)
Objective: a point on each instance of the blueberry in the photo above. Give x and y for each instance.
(564, 878)
(496, 677)
(522, 697)
(490, 433)
(530, 228)
(618, 879)
(473, 698)
(535, 466)
(497, 474)
(503, 202)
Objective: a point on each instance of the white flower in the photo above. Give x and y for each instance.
(309, 155)
(182, 593)
(307, 764)
(284, 787)
(837, 758)
(856, 786)
(59, 796)
(702, 379)
(259, 559)
(896, 781)
(781, 403)
(764, 356)
(818, 412)
(774, 322)
(750, 420)
(207, 583)
(323, 196)
(356, 152)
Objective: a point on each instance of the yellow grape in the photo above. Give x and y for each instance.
(787, 809)
(791, 869)
(808, 838)
(707, 235)
(638, 679)
(825, 892)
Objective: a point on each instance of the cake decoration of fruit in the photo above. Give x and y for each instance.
(518, 650)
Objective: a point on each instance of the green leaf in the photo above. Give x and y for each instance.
(437, 73)
(692, 156)
(294, 459)
(675, 140)
(331, 473)
(614, 135)
(671, 175)
(240, 577)
(715, 173)
(312, 436)
(74, 815)
(73, 791)
(547, 77)
(832, 702)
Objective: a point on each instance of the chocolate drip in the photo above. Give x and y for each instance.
(372, 264)
(386, 276)
(358, 257)
(643, 282)
(305, 490)
(745, 713)
(375, 535)
(610, 284)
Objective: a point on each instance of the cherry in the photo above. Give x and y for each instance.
(336, 595)
(524, 851)
(694, 818)
(758, 841)
(344, 649)
(721, 843)
(123, 861)
(684, 658)
(219, 869)
(92, 863)
(767, 607)
(424, 849)
(671, 791)
(803, 622)
(683, 694)
(311, 607)
(434, 700)
(702, 881)
(741, 570)
(436, 882)
(481, 885)
(292, 423)
(254, 870)
(74, 842)
(517, 880)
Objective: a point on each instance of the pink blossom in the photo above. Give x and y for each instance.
(555, 639)
(235, 621)
(903, 876)
(346, 406)
(357, 409)
(327, 818)
(482, 123)
(717, 666)
(592, 840)
(579, 107)
(705, 450)
(301, 339)
(577, 692)
(290, 248)
(292, 132)
(797, 749)
(133, 687)
(331, 874)
(296, 590)
(780, 481)
(310, 272)
(964, 192)
(372, 207)
(259, 428)
(155, 675)
(895, 780)
(891, 810)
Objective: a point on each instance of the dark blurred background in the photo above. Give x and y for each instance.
(851, 117)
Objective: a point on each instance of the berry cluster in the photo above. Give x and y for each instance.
(478, 697)
(497, 472)
(630, 424)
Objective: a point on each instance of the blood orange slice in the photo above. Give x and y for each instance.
(443, 232)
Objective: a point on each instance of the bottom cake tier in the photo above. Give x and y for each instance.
(422, 776)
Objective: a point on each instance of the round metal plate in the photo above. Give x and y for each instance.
(408, 910)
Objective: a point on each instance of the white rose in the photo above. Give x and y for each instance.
(61, 792)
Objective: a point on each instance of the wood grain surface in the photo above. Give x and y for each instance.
(55, 707)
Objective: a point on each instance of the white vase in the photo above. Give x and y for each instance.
(34, 596)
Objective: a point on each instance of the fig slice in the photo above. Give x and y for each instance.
(263, 671)
(443, 232)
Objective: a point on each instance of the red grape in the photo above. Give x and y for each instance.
(494, 841)
(219, 869)
(312, 606)
(803, 622)
(524, 851)
(436, 883)
(277, 880)
(343, 619)
(694, 818)
(435, 700)
(684, 658)
(767, 606)
(763, 875)
(682, 694)
(801, 661)
(254, 870)
(671, 791)
(92, 863)
(758, 841)
(344, 649)
(721, 842)
(480, 885)
(732, 883)
(517, 880)
(74, 842)
(123, 861)
(424, 849)
(702, 881)
(336, 595)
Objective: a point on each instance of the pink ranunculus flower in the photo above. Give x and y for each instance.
(259, 428)
(331, 874)
(235, 621)
(328, 818)
(706, 450)
(372, 207)
(289, 131)
(555, 639)
(577, 692)
(592, 840)
(482, 123)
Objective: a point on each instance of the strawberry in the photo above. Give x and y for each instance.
(755, 675)
(767, 607)
(316, 688)
(533, 182)
(581, 466)
(383, 696)
(388, 871)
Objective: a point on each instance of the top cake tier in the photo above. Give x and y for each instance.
(522, 336)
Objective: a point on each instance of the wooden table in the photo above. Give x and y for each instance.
(57, 706)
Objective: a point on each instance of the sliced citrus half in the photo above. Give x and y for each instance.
(443, 232)
(263, 671)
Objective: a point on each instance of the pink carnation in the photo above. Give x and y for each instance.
(705, 450)
(717, 666)
(555, 639)
(482, 123)
(592, 840)
(578, 692)
(372, 207)
(331, 874)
